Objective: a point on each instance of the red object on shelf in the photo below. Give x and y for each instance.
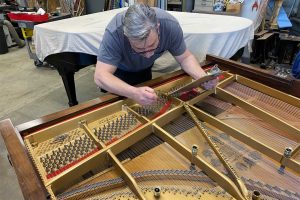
(28, 17)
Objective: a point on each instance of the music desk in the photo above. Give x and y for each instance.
(73, 44)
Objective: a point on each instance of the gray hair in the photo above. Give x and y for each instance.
(139, 20)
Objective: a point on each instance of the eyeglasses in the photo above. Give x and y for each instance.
(150, 50)
(145, 52)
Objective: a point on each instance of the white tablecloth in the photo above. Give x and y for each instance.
(203, 33)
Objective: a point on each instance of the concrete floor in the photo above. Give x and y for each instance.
(27, 93)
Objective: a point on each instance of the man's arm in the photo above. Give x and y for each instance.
(105, 79)
(191, 66)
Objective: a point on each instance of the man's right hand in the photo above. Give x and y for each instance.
(144, 96)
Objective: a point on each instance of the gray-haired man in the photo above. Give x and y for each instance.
(132, 41)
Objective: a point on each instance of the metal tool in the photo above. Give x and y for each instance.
(212, 74)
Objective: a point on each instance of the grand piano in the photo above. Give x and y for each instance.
(72, 44)
(238, 141)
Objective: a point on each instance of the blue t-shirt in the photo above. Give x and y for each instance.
(116, 50)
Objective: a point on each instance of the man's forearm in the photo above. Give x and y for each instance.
(191, 66)
(114, 85)
(142, 95)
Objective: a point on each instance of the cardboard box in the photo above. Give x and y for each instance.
(236, 8)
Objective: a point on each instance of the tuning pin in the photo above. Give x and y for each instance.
(157, 191)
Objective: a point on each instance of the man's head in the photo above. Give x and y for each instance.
(141, 28)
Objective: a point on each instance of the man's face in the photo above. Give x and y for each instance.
(148, 46)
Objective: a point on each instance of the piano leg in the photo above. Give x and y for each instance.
(67, 64)
(66, 71)
(69, 83)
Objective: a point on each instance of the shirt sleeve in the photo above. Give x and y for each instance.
(110, 51)
(177, 44)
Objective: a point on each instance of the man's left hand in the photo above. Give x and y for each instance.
(208, 85)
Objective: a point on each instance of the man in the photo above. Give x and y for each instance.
(132, 41)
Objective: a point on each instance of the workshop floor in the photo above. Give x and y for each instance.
(27, 93)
